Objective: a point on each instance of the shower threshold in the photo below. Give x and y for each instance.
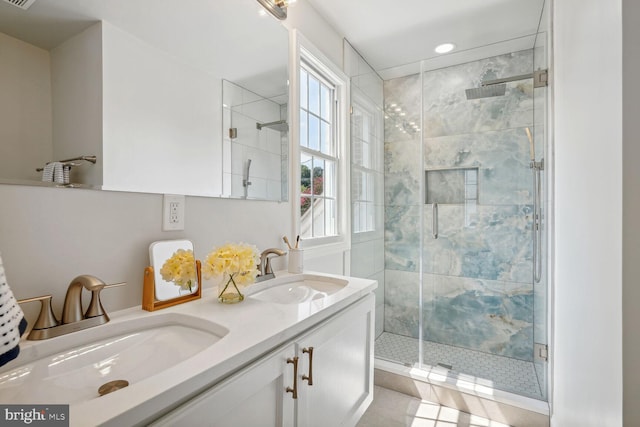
(470, 371)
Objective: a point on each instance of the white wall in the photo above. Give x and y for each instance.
(631, 210)
(587, 347)
(76, 83)
(25, 109)
(316, 29)
(52, 235)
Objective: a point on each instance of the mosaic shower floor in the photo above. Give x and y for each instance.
(502, 373)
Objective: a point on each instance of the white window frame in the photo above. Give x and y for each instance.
(305, 50)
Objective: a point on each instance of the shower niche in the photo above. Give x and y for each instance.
(451, 186)
(456, 186)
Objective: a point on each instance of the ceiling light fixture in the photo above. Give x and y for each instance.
(445, 48)
(278, 8)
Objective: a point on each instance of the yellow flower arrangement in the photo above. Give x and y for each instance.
(180, 269)
(237, 261)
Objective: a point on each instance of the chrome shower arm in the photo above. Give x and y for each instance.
(507, 79)
(540, 79)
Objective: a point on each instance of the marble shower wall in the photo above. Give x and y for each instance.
(477, 290)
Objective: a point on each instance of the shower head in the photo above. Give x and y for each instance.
(486, 91)
(497, 87)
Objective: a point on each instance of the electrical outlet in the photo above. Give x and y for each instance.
(173, 211)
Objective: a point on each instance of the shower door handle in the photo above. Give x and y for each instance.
(434, 208)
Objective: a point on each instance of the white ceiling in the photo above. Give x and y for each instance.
(402, 32)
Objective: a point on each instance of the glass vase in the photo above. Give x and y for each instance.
(228, 291)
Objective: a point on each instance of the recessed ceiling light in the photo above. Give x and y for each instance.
(445, 47)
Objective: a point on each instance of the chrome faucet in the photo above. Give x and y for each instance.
(73, 319)
(266, 272)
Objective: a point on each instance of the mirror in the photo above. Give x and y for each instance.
(139, 86)
(174, 269)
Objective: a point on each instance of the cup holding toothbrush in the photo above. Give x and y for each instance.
(296, 260)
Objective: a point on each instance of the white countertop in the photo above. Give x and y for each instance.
(255, 327)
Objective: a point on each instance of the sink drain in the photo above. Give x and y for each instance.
(111, 386)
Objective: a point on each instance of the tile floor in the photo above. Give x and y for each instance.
(392, 409)
(503, 373)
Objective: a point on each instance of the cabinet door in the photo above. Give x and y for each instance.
(255, 396)
(342, 371)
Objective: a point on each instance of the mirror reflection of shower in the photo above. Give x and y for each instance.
(255, 143)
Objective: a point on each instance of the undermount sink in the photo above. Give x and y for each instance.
(298, 289)
(131, 350)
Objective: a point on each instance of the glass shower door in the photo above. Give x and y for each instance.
(478, 297)
(540, 169)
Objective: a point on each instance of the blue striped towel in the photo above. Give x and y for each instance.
(12, 321)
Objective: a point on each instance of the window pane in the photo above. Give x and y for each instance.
(356, 184)
(370, 217)
(325, 103)
(371, 195)
(304, 140)
(303, 88)
(363, 216)
(305, 174)
(306, 211)
(330, 178)
(325, 138)
(330, 220)
(314, 132)
(366, 156)
(305, 204)
(318, 177)
(366, 127)
(314, 95)
(356, 217)
(364, 189)
(356, 123)
(356, 151)
(318, 218)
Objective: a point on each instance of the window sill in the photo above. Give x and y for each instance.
(320, 247)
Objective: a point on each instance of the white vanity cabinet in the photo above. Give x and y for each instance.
(338, 356)
(254, 396)
(341, 367)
